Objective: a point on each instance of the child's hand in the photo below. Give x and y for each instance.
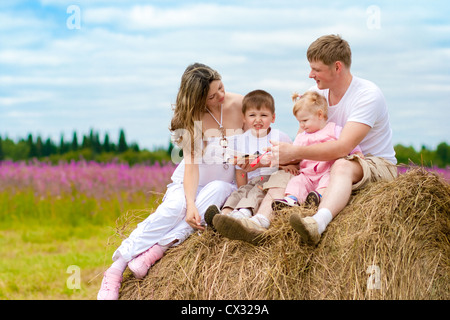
(246, 159)
(359, 154)
(242, 161)
(247, 167)
(291, 168)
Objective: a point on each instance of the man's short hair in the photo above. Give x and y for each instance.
(329, 49)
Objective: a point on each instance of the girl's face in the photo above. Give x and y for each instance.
(311, 122)
(258, 120)
(216, 94)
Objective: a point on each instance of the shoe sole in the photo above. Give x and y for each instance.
(280, 205)
(210, 213)
(313, 199)
(296, 222)
(234, 230)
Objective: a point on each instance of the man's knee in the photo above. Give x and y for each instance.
(343, 167)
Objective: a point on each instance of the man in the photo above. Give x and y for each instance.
(359, 107)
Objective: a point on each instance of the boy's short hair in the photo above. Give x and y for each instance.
(258, 99)
(329, 49)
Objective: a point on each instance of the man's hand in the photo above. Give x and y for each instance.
(282, 152)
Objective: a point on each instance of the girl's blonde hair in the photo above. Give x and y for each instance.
(310, 101)
(191, 104)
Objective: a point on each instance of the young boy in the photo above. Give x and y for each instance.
(258, 108)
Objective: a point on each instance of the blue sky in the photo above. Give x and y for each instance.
(119, 65)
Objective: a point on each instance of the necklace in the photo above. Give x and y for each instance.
(223, 140)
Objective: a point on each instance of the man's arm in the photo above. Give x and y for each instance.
(352, 134)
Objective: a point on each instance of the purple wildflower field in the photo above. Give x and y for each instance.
(92, 179)
(98, 180)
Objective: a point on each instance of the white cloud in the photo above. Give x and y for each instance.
(124, 64)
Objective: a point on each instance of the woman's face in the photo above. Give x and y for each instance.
(216, 94)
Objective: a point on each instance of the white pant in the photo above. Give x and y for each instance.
(168, 223)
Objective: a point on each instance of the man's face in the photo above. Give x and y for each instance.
(323, 75)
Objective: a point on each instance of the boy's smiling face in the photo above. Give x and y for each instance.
(259, 120)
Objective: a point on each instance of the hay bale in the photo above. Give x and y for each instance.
(390, 242)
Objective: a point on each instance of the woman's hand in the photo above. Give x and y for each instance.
(193, 217)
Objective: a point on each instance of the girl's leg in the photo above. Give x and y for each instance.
(315, 196)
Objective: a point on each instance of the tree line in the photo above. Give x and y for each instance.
(88, 147)
(440, 157)
(91, 147)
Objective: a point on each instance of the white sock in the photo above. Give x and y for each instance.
(323, 217)
(247, 212)
(120, 264)
(261, 220)
(242, 213)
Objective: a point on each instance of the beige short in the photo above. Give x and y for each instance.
(249, 195)
(278, 179)
(374, 169)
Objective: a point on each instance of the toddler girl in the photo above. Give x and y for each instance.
(311, 111)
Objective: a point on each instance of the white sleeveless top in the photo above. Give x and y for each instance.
(211, 165)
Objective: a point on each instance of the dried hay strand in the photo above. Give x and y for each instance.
(390, 242)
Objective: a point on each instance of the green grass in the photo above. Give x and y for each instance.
(40, 238)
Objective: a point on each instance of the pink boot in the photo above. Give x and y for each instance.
(140, 265)
(109, 289)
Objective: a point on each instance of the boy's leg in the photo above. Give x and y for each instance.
(255, 194)
(235, 197)
(226, 210)
(230, 204)
(265, 208)
(249, 230)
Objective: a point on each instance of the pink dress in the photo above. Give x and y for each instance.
(313, 174)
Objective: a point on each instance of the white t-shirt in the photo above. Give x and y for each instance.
(210, 165)
(249, 144)
(364, 102)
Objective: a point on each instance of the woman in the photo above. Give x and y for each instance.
(205, 117)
